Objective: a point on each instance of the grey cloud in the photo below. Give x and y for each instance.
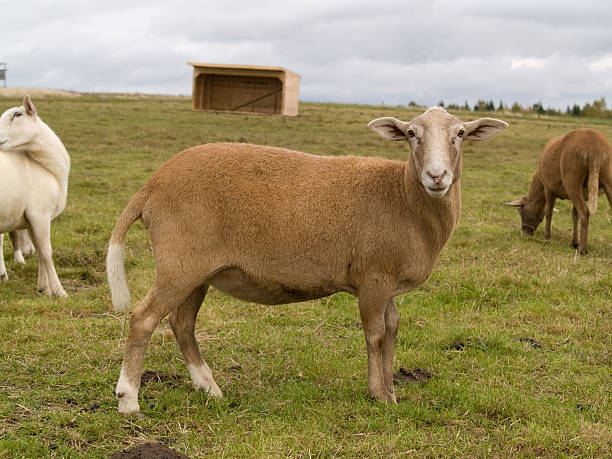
(357, 51)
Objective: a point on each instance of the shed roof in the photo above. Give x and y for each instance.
(262, 68)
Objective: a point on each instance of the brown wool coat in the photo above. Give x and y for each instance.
(295, 226)
(576, 166)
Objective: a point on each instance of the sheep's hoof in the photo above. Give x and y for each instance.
(3, 277)
(386, 397)
(574, 245)
(53, 293)
(60, 294)
(136, 414)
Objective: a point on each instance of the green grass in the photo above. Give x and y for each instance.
(294, 376)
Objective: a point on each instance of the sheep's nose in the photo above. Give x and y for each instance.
(437, 178)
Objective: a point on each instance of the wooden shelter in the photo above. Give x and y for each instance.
(239, 88)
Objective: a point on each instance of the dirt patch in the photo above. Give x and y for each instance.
(158, 376)
(417, 375)
(457, 346)
(532, 342)
(149, 451)
(36, 93)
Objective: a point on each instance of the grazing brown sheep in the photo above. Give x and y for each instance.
(273, 226)
(576, 166)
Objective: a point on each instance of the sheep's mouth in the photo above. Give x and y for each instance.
(528, 230)
(436, 191)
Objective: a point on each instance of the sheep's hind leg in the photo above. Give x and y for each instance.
(580, 213)
(607, 187)
(183, 321)
(574, 228)
(3, 274)
(22, 245)
(27, 248)
(163, 298)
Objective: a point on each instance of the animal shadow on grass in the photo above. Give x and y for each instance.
(158, 376)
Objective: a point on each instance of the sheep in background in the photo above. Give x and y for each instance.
(34, 167)
(274, 226)
(575, 166)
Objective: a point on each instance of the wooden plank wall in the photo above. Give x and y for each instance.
(238, 93)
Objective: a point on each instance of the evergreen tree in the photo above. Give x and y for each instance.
(481, 106)
(538, 108)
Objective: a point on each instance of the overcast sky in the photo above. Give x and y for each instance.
(557, 52)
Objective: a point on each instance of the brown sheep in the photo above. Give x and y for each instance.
(273, 226)
(576, 166)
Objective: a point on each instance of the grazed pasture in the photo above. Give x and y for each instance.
(516, 332)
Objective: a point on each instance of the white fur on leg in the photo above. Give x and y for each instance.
(202, 378)
(127, 395)
(18, 256)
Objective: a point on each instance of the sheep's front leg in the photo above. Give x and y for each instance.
(391, 327)
(3, 274)
(48, 282)
(550, 205)
(372, 306)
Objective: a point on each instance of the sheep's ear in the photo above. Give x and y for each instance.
(517, 203)
(484, 128)
(389, 128)
(29, 106)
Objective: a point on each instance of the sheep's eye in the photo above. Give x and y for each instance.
(17, 115)
(460, 133)
(411, 133)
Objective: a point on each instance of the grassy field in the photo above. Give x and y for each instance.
(516, 331)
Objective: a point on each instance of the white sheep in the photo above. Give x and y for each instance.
(273, 226)
(34, 167)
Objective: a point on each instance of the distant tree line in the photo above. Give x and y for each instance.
(597, 109)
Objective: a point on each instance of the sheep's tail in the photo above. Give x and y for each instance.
(593, 184)
(115, 267)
